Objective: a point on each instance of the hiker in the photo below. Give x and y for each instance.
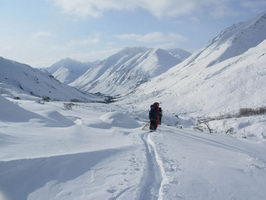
(154, 116)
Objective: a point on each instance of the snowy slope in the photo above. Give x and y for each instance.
(9, 108)
(68, 70)
(195, 87)
(231, 42)
(20, 78)
(179, 53)
(126, 70)
(91, 153)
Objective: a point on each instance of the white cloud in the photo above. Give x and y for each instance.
(159, 8)
(223, 11)
(153, 38)
(41, 34)
(91, 8)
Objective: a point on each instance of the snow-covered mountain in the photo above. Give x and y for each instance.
(124, 71)
(21, 78)
(231, 42)
(67, 70)
(226, 75)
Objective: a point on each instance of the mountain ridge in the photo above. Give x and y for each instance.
(124, 71)
(67, 70)
(206, 84)
(19, 78)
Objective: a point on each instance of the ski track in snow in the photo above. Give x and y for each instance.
(154, 177)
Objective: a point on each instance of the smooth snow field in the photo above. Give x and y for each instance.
(102, 152)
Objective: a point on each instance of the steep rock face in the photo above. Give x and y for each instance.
(20, 77)
(68, 70)
(220, 78)
(126, 70)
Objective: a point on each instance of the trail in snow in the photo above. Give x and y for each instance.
(212, 166)
(154, 177)
(103, 155)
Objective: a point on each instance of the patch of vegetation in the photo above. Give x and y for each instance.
(76, 100)
(243, 112)
(46, 99)
(203, 123)
(68, 106)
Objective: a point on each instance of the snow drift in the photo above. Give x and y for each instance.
(118, 119)
(10, 112)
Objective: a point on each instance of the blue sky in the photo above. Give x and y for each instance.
(40, 32)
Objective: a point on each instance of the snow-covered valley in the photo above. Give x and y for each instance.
(99, 151)
(59, 143)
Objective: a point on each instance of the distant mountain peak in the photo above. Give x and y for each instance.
(130, 51)
(126, 70)
(68, 69)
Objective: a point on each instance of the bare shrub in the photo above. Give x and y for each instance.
(45, 98)
(68, 106)
(245, 111)
(251, 111)
(76, 100)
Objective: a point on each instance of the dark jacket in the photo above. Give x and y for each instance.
(154, 113)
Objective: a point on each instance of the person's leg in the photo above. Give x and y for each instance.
(153, 125)
(156, 124)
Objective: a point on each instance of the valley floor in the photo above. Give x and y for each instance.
(94, 151)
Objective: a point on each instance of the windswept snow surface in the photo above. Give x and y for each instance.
(124, 71)
(99, 151)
